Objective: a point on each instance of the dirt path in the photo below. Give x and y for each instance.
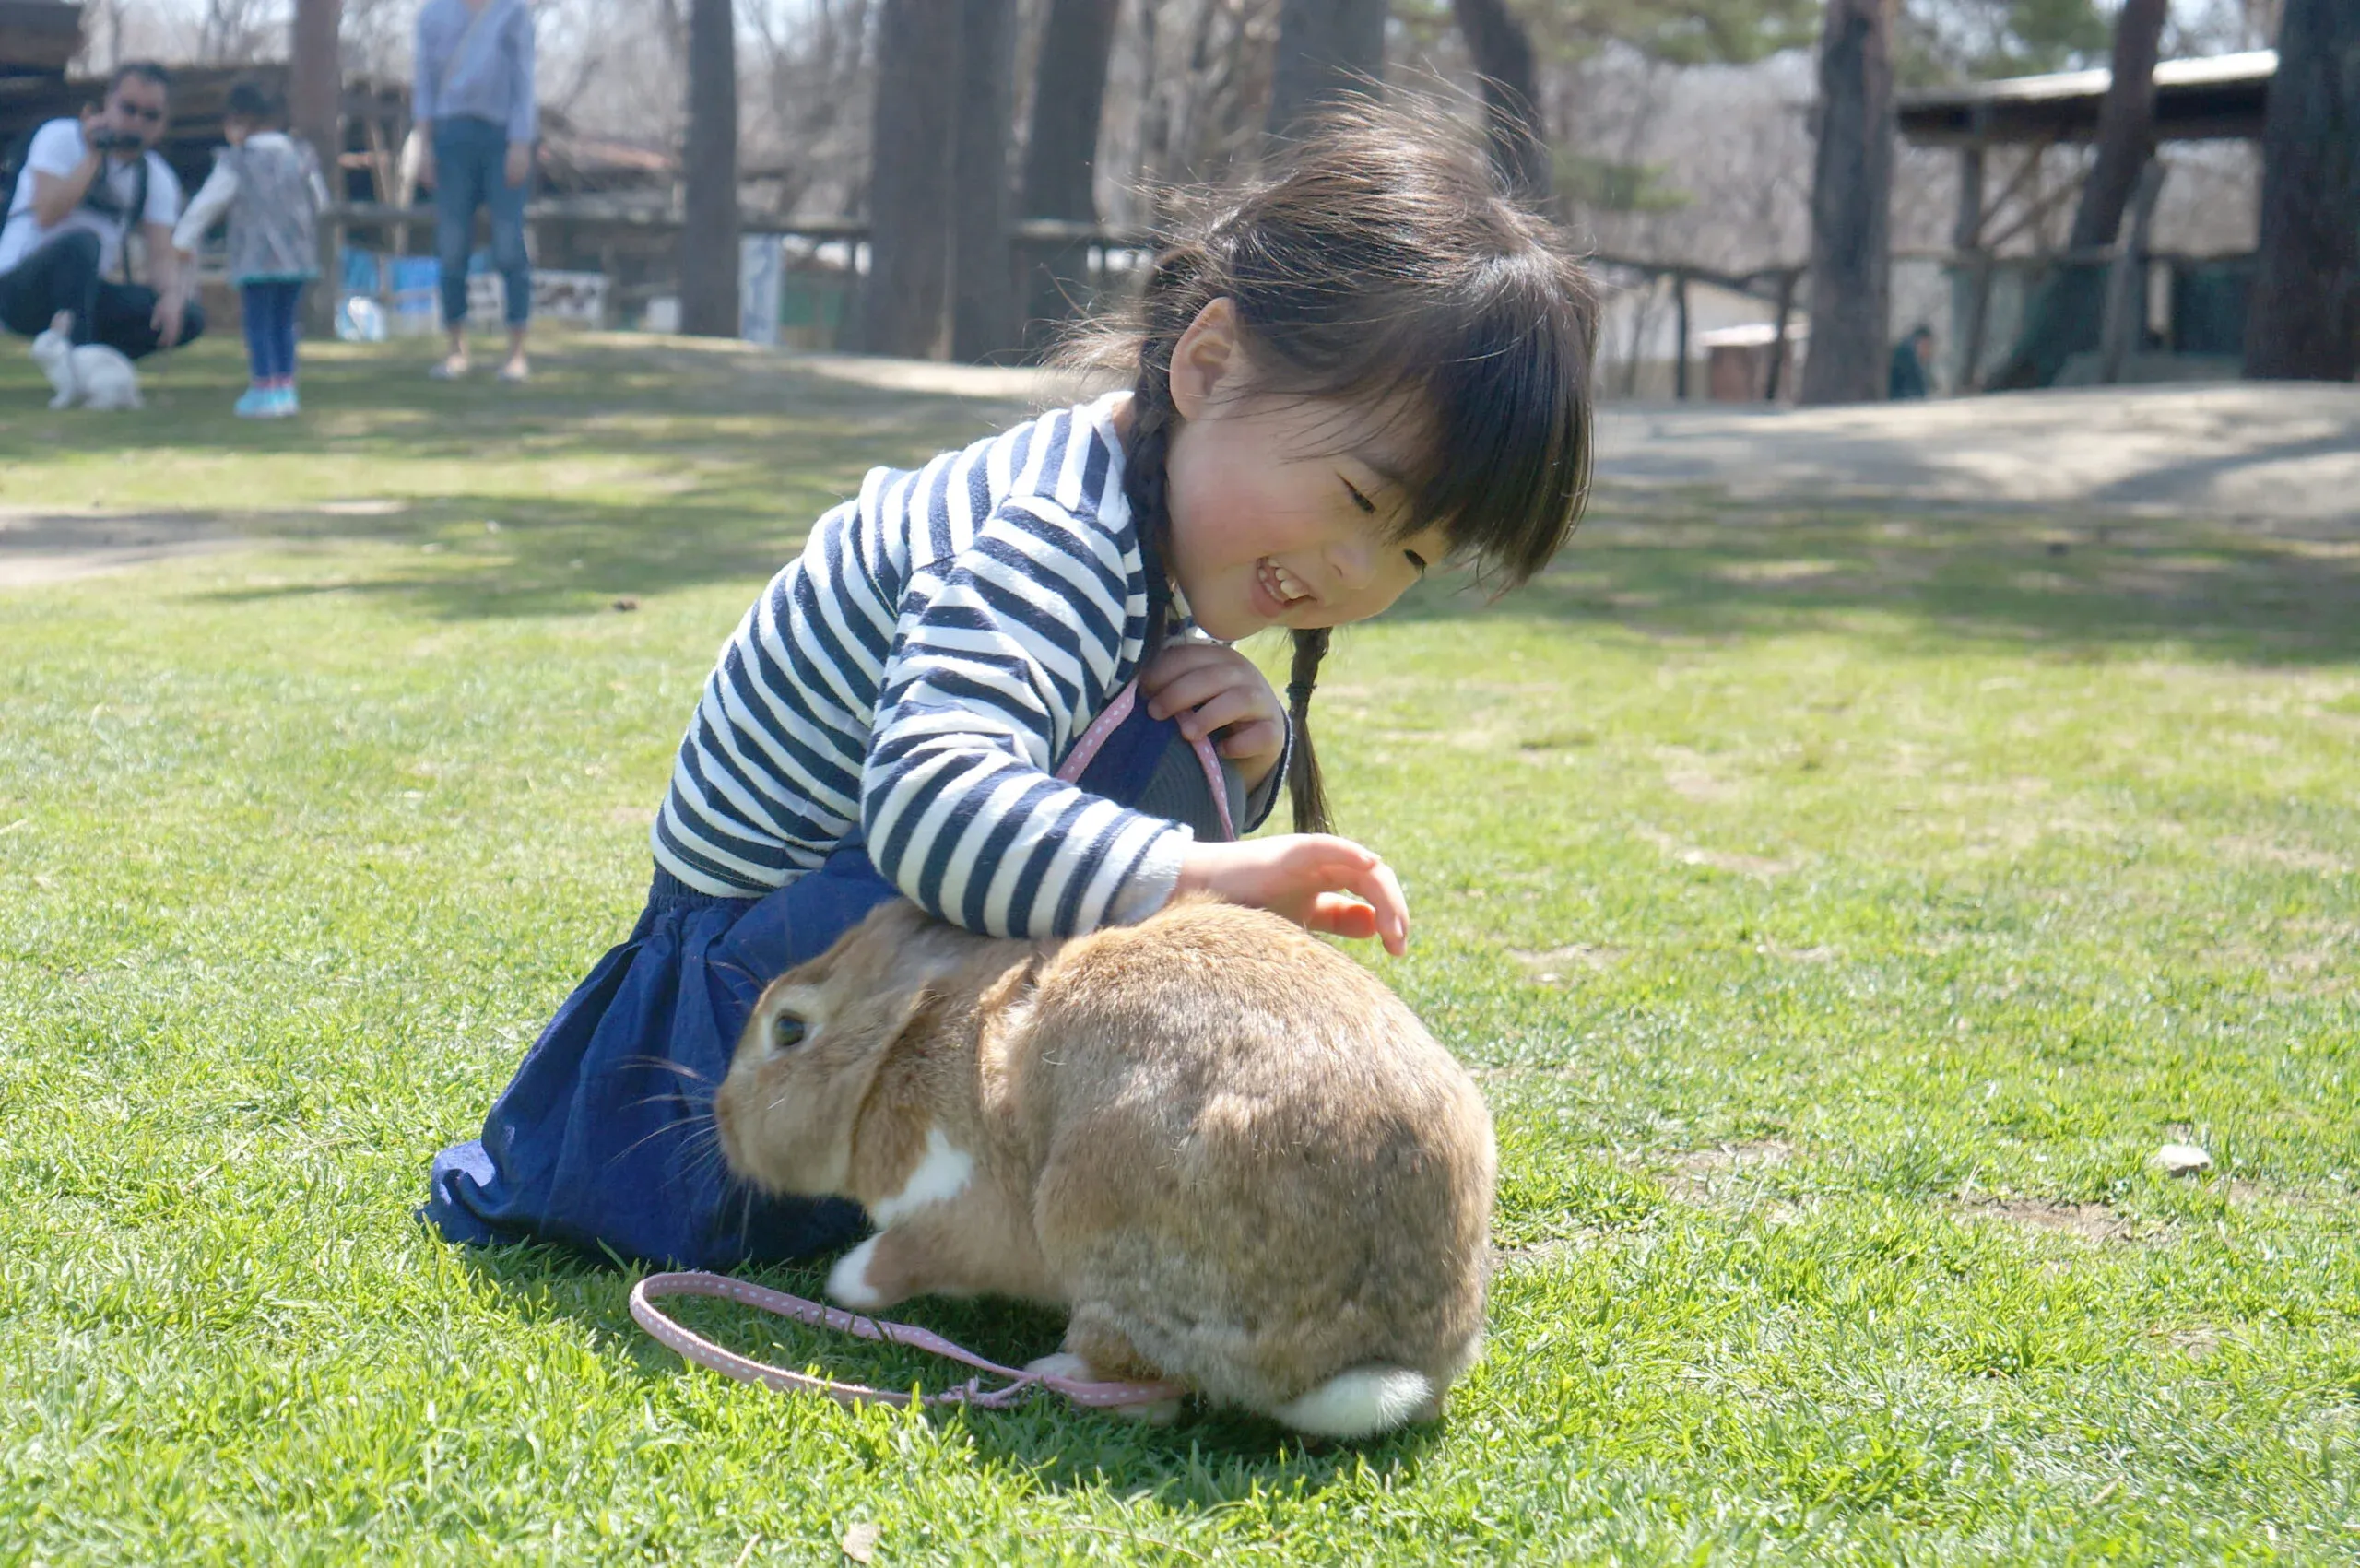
(2286, 452)
(2283, 452)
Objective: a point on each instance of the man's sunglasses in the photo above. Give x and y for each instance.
(139, 111)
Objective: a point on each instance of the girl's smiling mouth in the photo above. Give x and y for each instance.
(1281, 587)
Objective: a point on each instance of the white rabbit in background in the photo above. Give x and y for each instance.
(92, 375)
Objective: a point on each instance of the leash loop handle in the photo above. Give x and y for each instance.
(700, 1352)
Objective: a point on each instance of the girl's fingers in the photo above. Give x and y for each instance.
(1261, 737)
(1333, 915)
(1183, 659)
(1340, 864)
(1194, 689)
(1220, 711)
(1392, 912)
(1188, 693)
(1373, 880)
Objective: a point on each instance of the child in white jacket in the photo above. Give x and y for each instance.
(270, 186)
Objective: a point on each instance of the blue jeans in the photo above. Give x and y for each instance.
(269, 311)
(63, 275)
(469, 171)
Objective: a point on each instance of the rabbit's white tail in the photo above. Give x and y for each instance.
(1360, 1403)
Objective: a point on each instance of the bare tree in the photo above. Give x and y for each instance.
(1501, 49)
(1328, 50)
(910, 176)
(2126, 124)
(2304, 322)
(1202, 95)
(237, 32)
(806, 130)
(1060, 155)
(2063, 312)
(982, 270)
(709, 173)
(1851, 206)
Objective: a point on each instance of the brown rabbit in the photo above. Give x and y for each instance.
(1230, 1150)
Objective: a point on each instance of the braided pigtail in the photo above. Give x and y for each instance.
(1151, 421)
(1306, 791)
(1175, 293)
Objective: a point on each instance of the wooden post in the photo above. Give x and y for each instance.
(1787, 279)
(1680, 312)
(314, 106)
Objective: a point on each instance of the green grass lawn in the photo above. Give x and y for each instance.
(1839, 908)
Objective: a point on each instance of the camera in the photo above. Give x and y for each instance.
(115, 141)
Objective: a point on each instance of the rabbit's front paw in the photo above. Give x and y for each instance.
(849, 1281)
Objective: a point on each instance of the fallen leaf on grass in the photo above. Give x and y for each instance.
(860, 1542)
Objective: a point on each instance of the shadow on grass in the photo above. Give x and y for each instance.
(625, 469)
(620, 470)
(1205, 1459)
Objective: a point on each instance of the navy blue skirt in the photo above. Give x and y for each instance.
(604, 1141)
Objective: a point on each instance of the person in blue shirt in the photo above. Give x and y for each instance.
(474, 97)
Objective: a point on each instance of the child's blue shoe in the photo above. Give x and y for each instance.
(284, 404)
(255, 403)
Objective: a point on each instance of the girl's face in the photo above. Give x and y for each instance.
(1284, 510)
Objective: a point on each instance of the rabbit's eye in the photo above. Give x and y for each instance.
(786, 1032)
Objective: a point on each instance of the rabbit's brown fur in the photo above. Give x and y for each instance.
(1232, 1151)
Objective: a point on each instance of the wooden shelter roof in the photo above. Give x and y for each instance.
(2223, 97)
(38, 37)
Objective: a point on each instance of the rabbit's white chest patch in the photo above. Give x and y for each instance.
(941, 1175)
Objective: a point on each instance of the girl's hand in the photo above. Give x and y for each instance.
(1215, 689)
(1321, 882)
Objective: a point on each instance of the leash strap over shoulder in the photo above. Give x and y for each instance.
(1111, 719)
(704, 1352)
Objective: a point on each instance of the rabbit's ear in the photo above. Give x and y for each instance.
(62, 324)
(887, 1133)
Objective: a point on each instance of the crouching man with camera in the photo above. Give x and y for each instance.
(81, 188)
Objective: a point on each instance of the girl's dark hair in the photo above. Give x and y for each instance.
(1378, 258)
(253, 103)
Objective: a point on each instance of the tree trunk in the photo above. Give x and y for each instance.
(1851, 201)
(1328, 50)
(709, 169)
(2126, 126)
(983, 267)
(1502, 50)
(314, 112)
(909, 180)
(2060, 320)
(1060, 158)
(2304, 320)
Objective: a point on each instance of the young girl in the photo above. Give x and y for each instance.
(270, 185)
(1366, 367)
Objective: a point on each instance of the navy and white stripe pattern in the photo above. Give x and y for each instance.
(915, 675)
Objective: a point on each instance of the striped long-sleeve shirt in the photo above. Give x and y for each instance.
(915, 676)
